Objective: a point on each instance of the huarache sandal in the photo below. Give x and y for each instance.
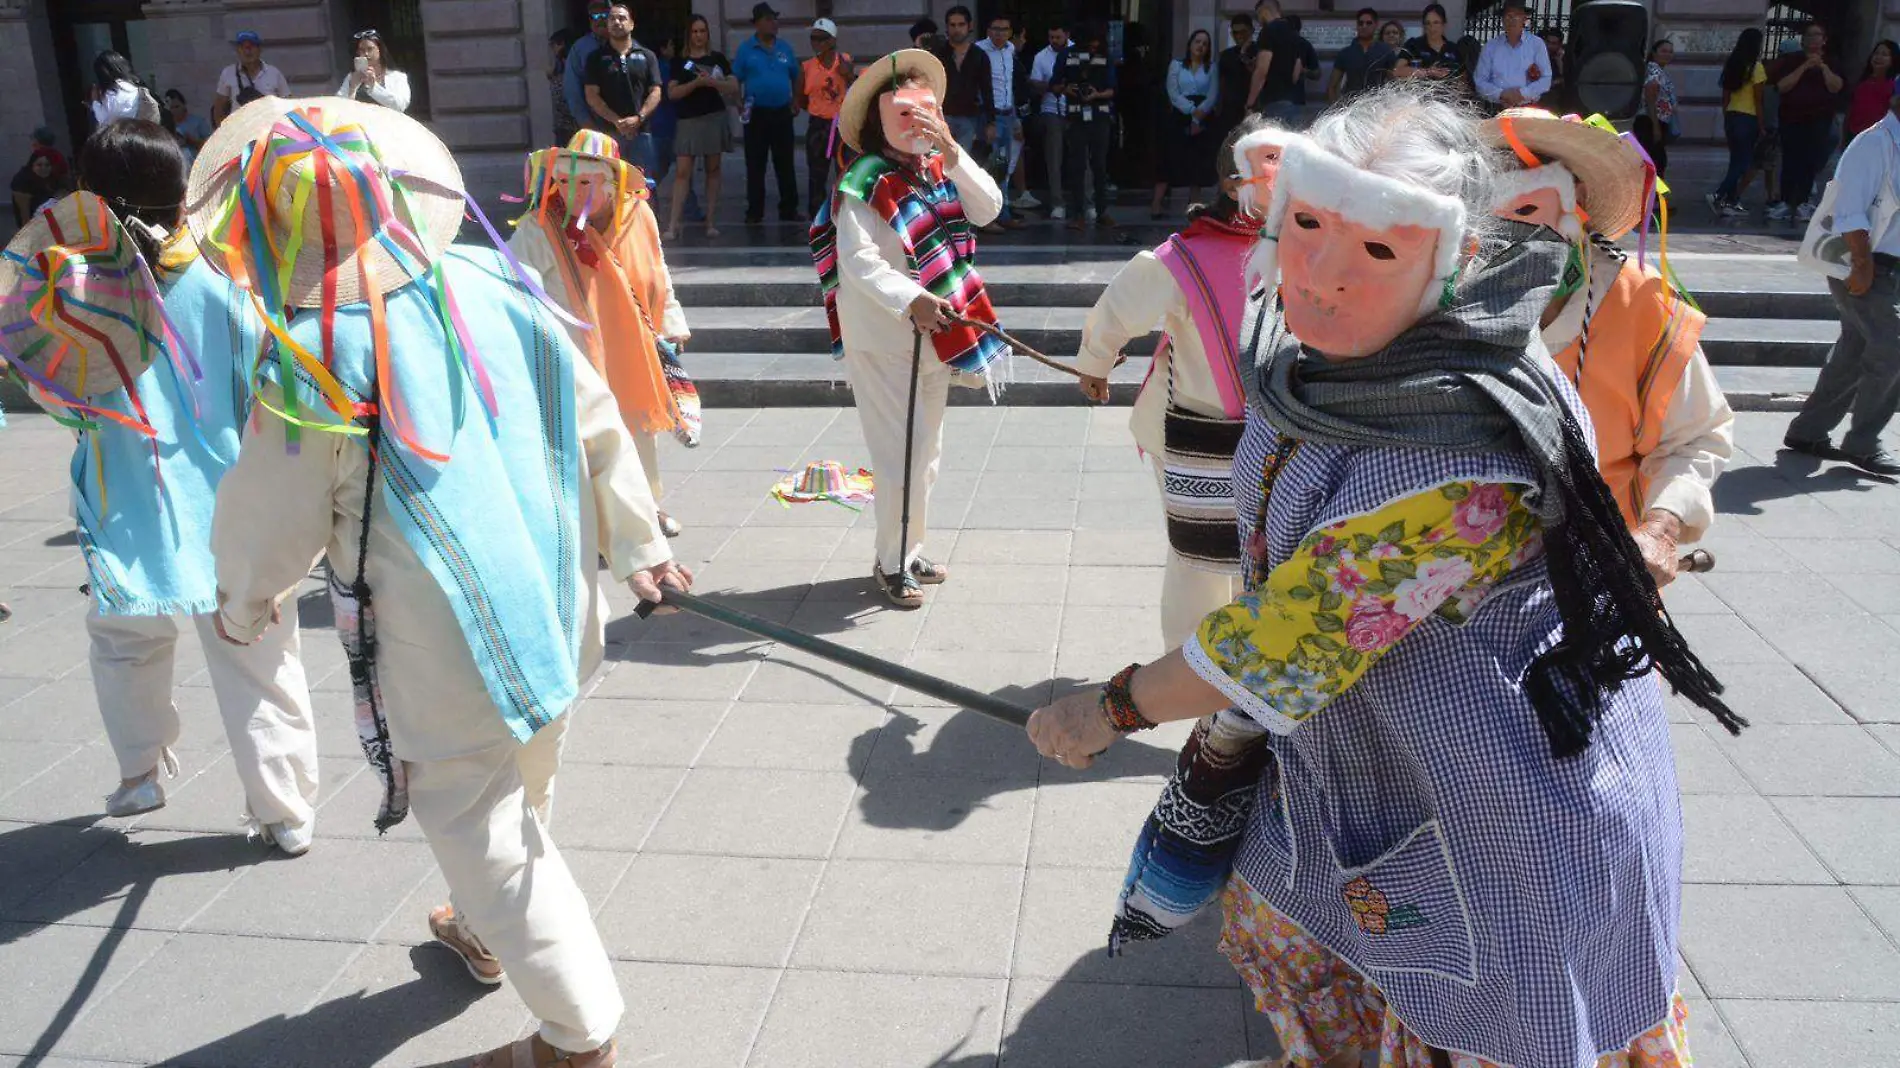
(903, 591)
(533, 1052)
(448, 929)
(928, 573)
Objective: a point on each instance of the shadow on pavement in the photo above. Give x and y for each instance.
(1743, 490)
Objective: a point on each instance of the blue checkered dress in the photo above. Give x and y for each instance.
(1532, 904)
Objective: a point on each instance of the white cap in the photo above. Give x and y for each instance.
(825, 26)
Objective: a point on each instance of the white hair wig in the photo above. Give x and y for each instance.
(1268, 134)
(1553, 176)
(1401, 155)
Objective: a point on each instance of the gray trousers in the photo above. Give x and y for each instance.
(1051, 128)
(1862, 375)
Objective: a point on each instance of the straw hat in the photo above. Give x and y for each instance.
(263, 161)
(861, 99)
(1610, 173)
(78, 307)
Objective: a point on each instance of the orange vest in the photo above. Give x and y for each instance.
(1642, 335)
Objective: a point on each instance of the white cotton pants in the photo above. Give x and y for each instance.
(485, 816)
(880, 382)
(260, 690)
(1189, 593)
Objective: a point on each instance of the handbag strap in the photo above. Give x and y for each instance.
(359, 588)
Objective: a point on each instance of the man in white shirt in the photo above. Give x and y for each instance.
(1049, 111)
(1513, 70)
(1005, 132)
(248, 79)
(1862, 375)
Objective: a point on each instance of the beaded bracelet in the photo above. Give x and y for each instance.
(1118, 703)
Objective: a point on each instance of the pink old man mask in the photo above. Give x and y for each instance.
(1542, 196)
(1360, 256)
(897, 111)
(1257, 158)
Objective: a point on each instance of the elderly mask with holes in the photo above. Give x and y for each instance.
(897, 112)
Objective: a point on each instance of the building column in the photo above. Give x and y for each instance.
(189, 48)
(479, 69)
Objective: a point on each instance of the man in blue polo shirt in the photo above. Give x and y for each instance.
(767, 68)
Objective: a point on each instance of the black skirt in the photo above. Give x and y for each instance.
(1190, 156)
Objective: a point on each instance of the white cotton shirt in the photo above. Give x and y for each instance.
(119, 102)
(1869, 171)
(875, 287)
(270, 81)
(1503, 65)
(1043, 69)
(1143, 294)
(393, 93)
(1002, 75)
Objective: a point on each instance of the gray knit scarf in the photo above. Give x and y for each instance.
(1475, 378)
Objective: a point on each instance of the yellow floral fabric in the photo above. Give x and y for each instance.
(1354, 588)
(1320, 1007)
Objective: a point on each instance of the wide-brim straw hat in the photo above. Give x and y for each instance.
(79, 309)
(262, 166)
(860, 101)
(1610, 174)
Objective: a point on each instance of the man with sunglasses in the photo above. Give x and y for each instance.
(574, 75)
(1360, 57)
(623, 88)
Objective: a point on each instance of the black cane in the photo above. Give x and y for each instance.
(910, 442)
(942, 689)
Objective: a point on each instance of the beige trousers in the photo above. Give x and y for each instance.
(880, 382)
(261, 694)
(648, 446)
(1189, 593)
(485, 817)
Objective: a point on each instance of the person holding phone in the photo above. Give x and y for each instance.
(372, 81)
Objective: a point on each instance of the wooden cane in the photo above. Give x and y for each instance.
(1696, 561)
(1001, 335)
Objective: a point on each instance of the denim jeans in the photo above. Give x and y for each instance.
(1742, 132)
(638, 150)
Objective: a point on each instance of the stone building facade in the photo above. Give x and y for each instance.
(485, 60)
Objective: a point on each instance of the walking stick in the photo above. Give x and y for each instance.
(1003, 336)
(910, 442)
(942, 689)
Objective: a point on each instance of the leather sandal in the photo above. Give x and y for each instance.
(928, 573)
(903, 591)
(448, 929)
(534, 1052)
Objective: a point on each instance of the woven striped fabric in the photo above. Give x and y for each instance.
(939, 251)
(1198, 488)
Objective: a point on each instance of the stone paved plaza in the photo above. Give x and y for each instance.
(796, 866)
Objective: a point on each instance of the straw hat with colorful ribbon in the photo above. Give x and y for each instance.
(327, 202)
(80, 312)
(1610, 176)
(553, 171)
(860, 101)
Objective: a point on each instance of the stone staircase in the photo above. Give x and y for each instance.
(759, 336)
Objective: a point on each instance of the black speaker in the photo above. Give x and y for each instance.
(1609, 43)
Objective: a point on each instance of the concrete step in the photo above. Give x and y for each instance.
(1057, 332)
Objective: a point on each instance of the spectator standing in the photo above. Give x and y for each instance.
(966, 99)
(767, 69)
(250, 78)
(1043, 72)
(36, 183)
(1868, 104)
(560, 43)
(665, 123)
(623, 88)
(1810, 93)
(1431, 54)
(1087, 81)
(1742, 80)
(1235, 70)
(1003, 132)
(191, 130)
(1862, 375)
(1273, 87)
(1354, 64)
(1026, 112)
(116, 92)
(1513, 69)
(374, 79)
(1310, 70)
(1656, 125)
(1392, 35)
(923, 34)
(1191, 143)
(700, 85)
(574, 75)
(821, 87)
(1559, 98)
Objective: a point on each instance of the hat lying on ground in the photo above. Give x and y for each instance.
(860, 101)
(80, 314)
(1610, 177)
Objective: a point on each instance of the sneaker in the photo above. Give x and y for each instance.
(1088, 214)
(1804, 213)
(1026, 202)
(1733, 211)
(1821, 448)
(1878, 462)
(294, 841)
(1779, 213)
(1058, 214)
(146, 795)
(1714, 202)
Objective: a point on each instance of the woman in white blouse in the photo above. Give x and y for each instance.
(373, 81)
(1193, 93)
(116, 92)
